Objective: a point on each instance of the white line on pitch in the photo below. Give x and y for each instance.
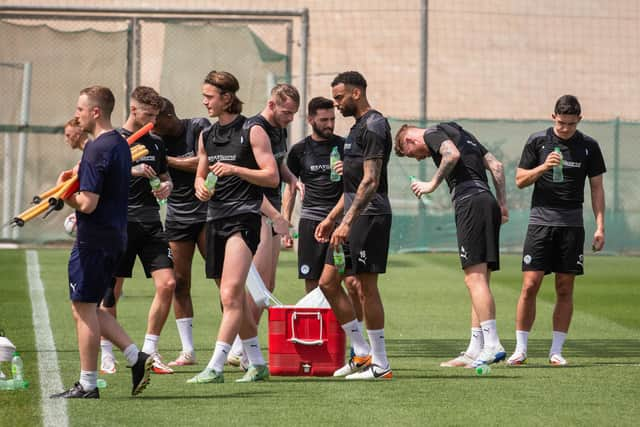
(54, 411)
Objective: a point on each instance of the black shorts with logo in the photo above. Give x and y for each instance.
(183, 232)
(149, 242)
(368, 246)
(219, 231)
(554, 249)
(311, 253)
(478, 221)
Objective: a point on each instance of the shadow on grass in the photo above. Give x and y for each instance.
(242, 395)
(443, 348)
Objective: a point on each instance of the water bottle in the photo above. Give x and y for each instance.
(17, 367)
(210, 182)
(13, 384)
(293, 233)
(483, 370)
(424, 198)
(558, 174)
(155, 186)
(333, 159)
(338, 260)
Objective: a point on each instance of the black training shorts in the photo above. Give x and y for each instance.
(368, 245)
(311, 253)
(554, 249)
(149, 242)
(478, 221)
(183, 232)
(219, 231)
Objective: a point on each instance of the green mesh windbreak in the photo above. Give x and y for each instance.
(416, 227)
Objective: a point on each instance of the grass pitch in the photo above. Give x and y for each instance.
(427, 321)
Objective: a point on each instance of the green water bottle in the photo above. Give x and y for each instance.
(155, 186)
(558, 174)
(333, 159)
(210, 182)
(424, 198)
(483, 370)
(338, 260)
(13, 384)
(293, 233)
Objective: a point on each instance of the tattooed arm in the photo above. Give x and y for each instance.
(497, 173)
(450, 157)
(372, 169)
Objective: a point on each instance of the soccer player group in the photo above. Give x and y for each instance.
(222, 185)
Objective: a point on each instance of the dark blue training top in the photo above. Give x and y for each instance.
(105, 169)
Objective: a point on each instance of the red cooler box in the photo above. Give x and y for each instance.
(304, 341)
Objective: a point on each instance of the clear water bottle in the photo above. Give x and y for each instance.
(424, 198)
(155, 186)
(333, 159)
(17, 367)
(558, 173)
(210, 182)
(338, 260)
(483, 370)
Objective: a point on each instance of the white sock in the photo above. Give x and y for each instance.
(378, 349)
(490, 333)
(89, 380)
(150, 345)
(475, 343)
(353, 331)
(107, 348)
(522, 337)
(252, 350)
(236, 348)
(557, 342)
(131, 354)
(220, 353)
(361, 326)
(185, 330)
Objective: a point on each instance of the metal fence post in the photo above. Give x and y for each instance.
(616, 165)
(22, 148)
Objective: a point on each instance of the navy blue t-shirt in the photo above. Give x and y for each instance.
(105, 169)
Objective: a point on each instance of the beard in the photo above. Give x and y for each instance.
(348, 110)
(322, 132)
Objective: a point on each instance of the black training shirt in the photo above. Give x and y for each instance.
(278, 139)
(309, 161)
(143, 206)
(369, 138)
(183, 205)
(560, 203)
(233, 195)
(469, 176)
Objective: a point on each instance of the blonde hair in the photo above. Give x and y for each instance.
(282, 91)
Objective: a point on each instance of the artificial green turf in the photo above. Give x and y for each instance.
(15, 320)
(427, 321)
